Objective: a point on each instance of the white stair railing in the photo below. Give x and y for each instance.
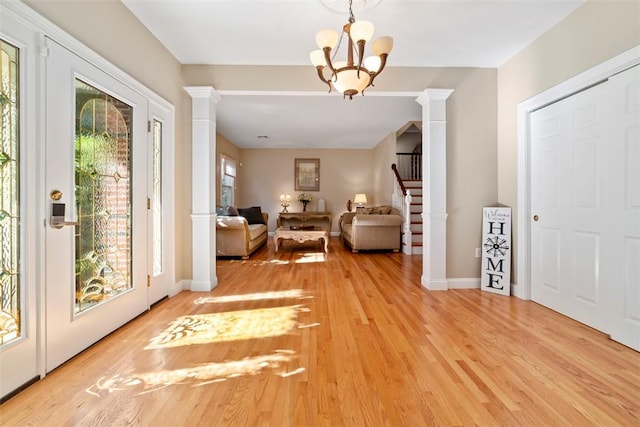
(407, 236)
(402, 201)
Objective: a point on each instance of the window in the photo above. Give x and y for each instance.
(227, 181)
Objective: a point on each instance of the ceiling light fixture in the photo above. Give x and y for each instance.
(347, 77)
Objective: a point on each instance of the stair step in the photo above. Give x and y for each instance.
(417, 244)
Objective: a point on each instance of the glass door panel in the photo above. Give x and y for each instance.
(10, 292)
(103, 196)
(156, 207)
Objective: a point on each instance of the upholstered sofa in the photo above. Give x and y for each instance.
(372, 228)
(240, 236)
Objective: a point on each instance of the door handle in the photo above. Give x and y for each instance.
(536, 217)
(59, 223)
(57, 216)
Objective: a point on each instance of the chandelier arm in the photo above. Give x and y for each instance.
(321, 76)
(383, 62)
(360, 55)
(347, 29)
(327, 59)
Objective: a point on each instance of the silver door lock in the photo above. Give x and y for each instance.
(57, 216)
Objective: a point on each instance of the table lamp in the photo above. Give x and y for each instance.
(284, 202)
(360, 200)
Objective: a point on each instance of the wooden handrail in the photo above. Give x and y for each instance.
(397, 174)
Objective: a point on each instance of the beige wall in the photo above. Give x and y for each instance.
(384, 155)
(265, 174)
(595, 32)
(107, 26)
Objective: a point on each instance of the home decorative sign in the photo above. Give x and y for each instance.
(496, 250)
(307, 175)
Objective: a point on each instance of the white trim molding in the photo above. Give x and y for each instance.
(586, 79)
(464, 283)
(434, 179)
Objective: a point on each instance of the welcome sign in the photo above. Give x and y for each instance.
(496, 251)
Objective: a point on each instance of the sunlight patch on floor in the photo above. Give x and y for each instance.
(311, 257)
(293, 293)
(196, 376)
(227, 326)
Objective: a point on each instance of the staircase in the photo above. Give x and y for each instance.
(407, 197)
(414, 187)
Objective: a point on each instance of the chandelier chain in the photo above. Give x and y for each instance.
(352, 19)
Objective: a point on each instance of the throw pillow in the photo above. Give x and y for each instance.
(381, 210)
(252, 214)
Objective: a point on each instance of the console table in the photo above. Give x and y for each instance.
(322, 219)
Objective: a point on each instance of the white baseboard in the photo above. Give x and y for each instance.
(464, 283)
(434, 285)
(182, 285)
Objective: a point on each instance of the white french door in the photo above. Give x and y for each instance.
(585, 207)
(19, 338)
(96, 202)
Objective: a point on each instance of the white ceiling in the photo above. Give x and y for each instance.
(427, 33)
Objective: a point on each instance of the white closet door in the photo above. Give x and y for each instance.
(585, 200)
(622, 264)
(568, 221)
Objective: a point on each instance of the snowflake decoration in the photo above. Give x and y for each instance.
(497, 246)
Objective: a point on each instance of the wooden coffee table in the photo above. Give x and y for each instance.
(301, 235)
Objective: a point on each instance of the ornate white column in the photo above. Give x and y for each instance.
(203, 186)
(434, 188)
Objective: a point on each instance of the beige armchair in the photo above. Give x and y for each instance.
(371, 231)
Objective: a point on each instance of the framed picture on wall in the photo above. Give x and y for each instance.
(307, 174)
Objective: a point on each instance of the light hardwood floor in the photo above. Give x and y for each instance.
(303, 338)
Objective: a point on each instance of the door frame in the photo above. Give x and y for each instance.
(584, 80)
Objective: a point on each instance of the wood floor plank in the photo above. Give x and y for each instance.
(304, 338)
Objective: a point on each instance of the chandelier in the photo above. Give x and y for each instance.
(349, 77)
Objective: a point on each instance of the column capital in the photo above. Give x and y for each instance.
(433, 95)
(203, 92)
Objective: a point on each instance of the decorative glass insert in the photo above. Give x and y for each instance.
(157, 198)
(10, 295)
(103, 196)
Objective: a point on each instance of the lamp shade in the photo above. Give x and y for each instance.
(372, 63)
(348, 79)
(317, 58)
(382, 45)
(327, 38)
(361, 30)
(360, 199)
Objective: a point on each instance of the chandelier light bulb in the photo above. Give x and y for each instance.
(317, 58)
(350, 83)
(361, 30)
(372, 63)
(382, 45)
(327, 38)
